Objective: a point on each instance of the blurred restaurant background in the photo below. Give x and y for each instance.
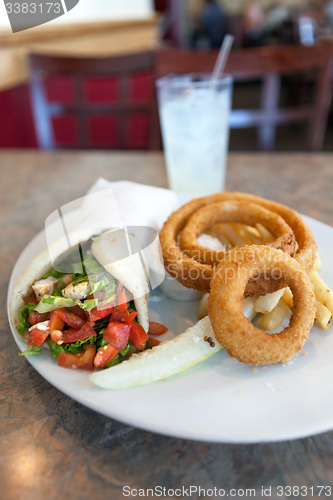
(86, 79)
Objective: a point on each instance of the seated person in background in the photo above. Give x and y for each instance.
(254, 21)
(213, 23)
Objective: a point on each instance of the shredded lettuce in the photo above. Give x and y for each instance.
(88, 304)
(77, 268)
(31, 350)
(105, 285)
(73, 348)
(92, 265)
(49, 303)
(53, 272)
(79, 278)
(23, 317)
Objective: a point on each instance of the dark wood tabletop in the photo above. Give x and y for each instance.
(52, 447)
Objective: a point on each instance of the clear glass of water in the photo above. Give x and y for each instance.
(194, 119)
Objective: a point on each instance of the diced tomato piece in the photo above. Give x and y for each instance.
(72, 335)
(88, 357)
(101, 311)
(123, 316)
(56, 323)
(138, 337)
(72, 319)
(153, 341)
(156, 328)
(79, 312)
(38, 336)
(83, 360)
(35, 317)
(130, 317)
(118, 316)
(104, 355)
(30, 299)
(122, 300)
(117, 334)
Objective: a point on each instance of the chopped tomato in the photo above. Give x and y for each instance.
(138, 337)
(130, 317)
(117, 334)
(72, 335)
(118, 316)
(72, 319)
(122, 300)
(104, 355)
(83, 360)
(31, 299)
(101, 311)
(56, 323)
(38, 336)
(79, 311)
(153, 341)
(156, 328)
(35, 317)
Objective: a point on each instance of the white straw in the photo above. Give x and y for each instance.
(221, 59)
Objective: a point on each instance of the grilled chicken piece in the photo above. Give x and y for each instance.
(44, 287)
(79, 291)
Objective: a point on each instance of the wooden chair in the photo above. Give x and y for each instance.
(268, 64)
(121, 69)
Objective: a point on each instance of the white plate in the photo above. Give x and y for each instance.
(219, 400)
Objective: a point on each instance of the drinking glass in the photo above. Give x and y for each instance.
(194, 116)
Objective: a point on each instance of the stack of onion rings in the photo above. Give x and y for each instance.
(197, 275)
(234, 331)
(232, 211)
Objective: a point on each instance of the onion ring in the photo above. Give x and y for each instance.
(232, 211)
(235, 332)
(196, 275)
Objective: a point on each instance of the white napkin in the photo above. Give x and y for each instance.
(138, 204)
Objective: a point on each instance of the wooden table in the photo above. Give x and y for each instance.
(52, 447)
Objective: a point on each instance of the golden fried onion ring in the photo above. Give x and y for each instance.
(234, 331)
(232, 211)
(196, 275)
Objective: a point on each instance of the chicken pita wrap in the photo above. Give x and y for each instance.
(89, 307)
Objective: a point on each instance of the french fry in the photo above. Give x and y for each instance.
(274, 319)
(253, 235)
(288, 297)
(248, 307)
(266, 303)
(229, 232)
(322, 291)
(240, 229)
(203, 306)
(323, 316)
(317, 264)
(266, 236)
(216, 233)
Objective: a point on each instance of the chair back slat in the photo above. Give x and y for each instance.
(122, 68)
